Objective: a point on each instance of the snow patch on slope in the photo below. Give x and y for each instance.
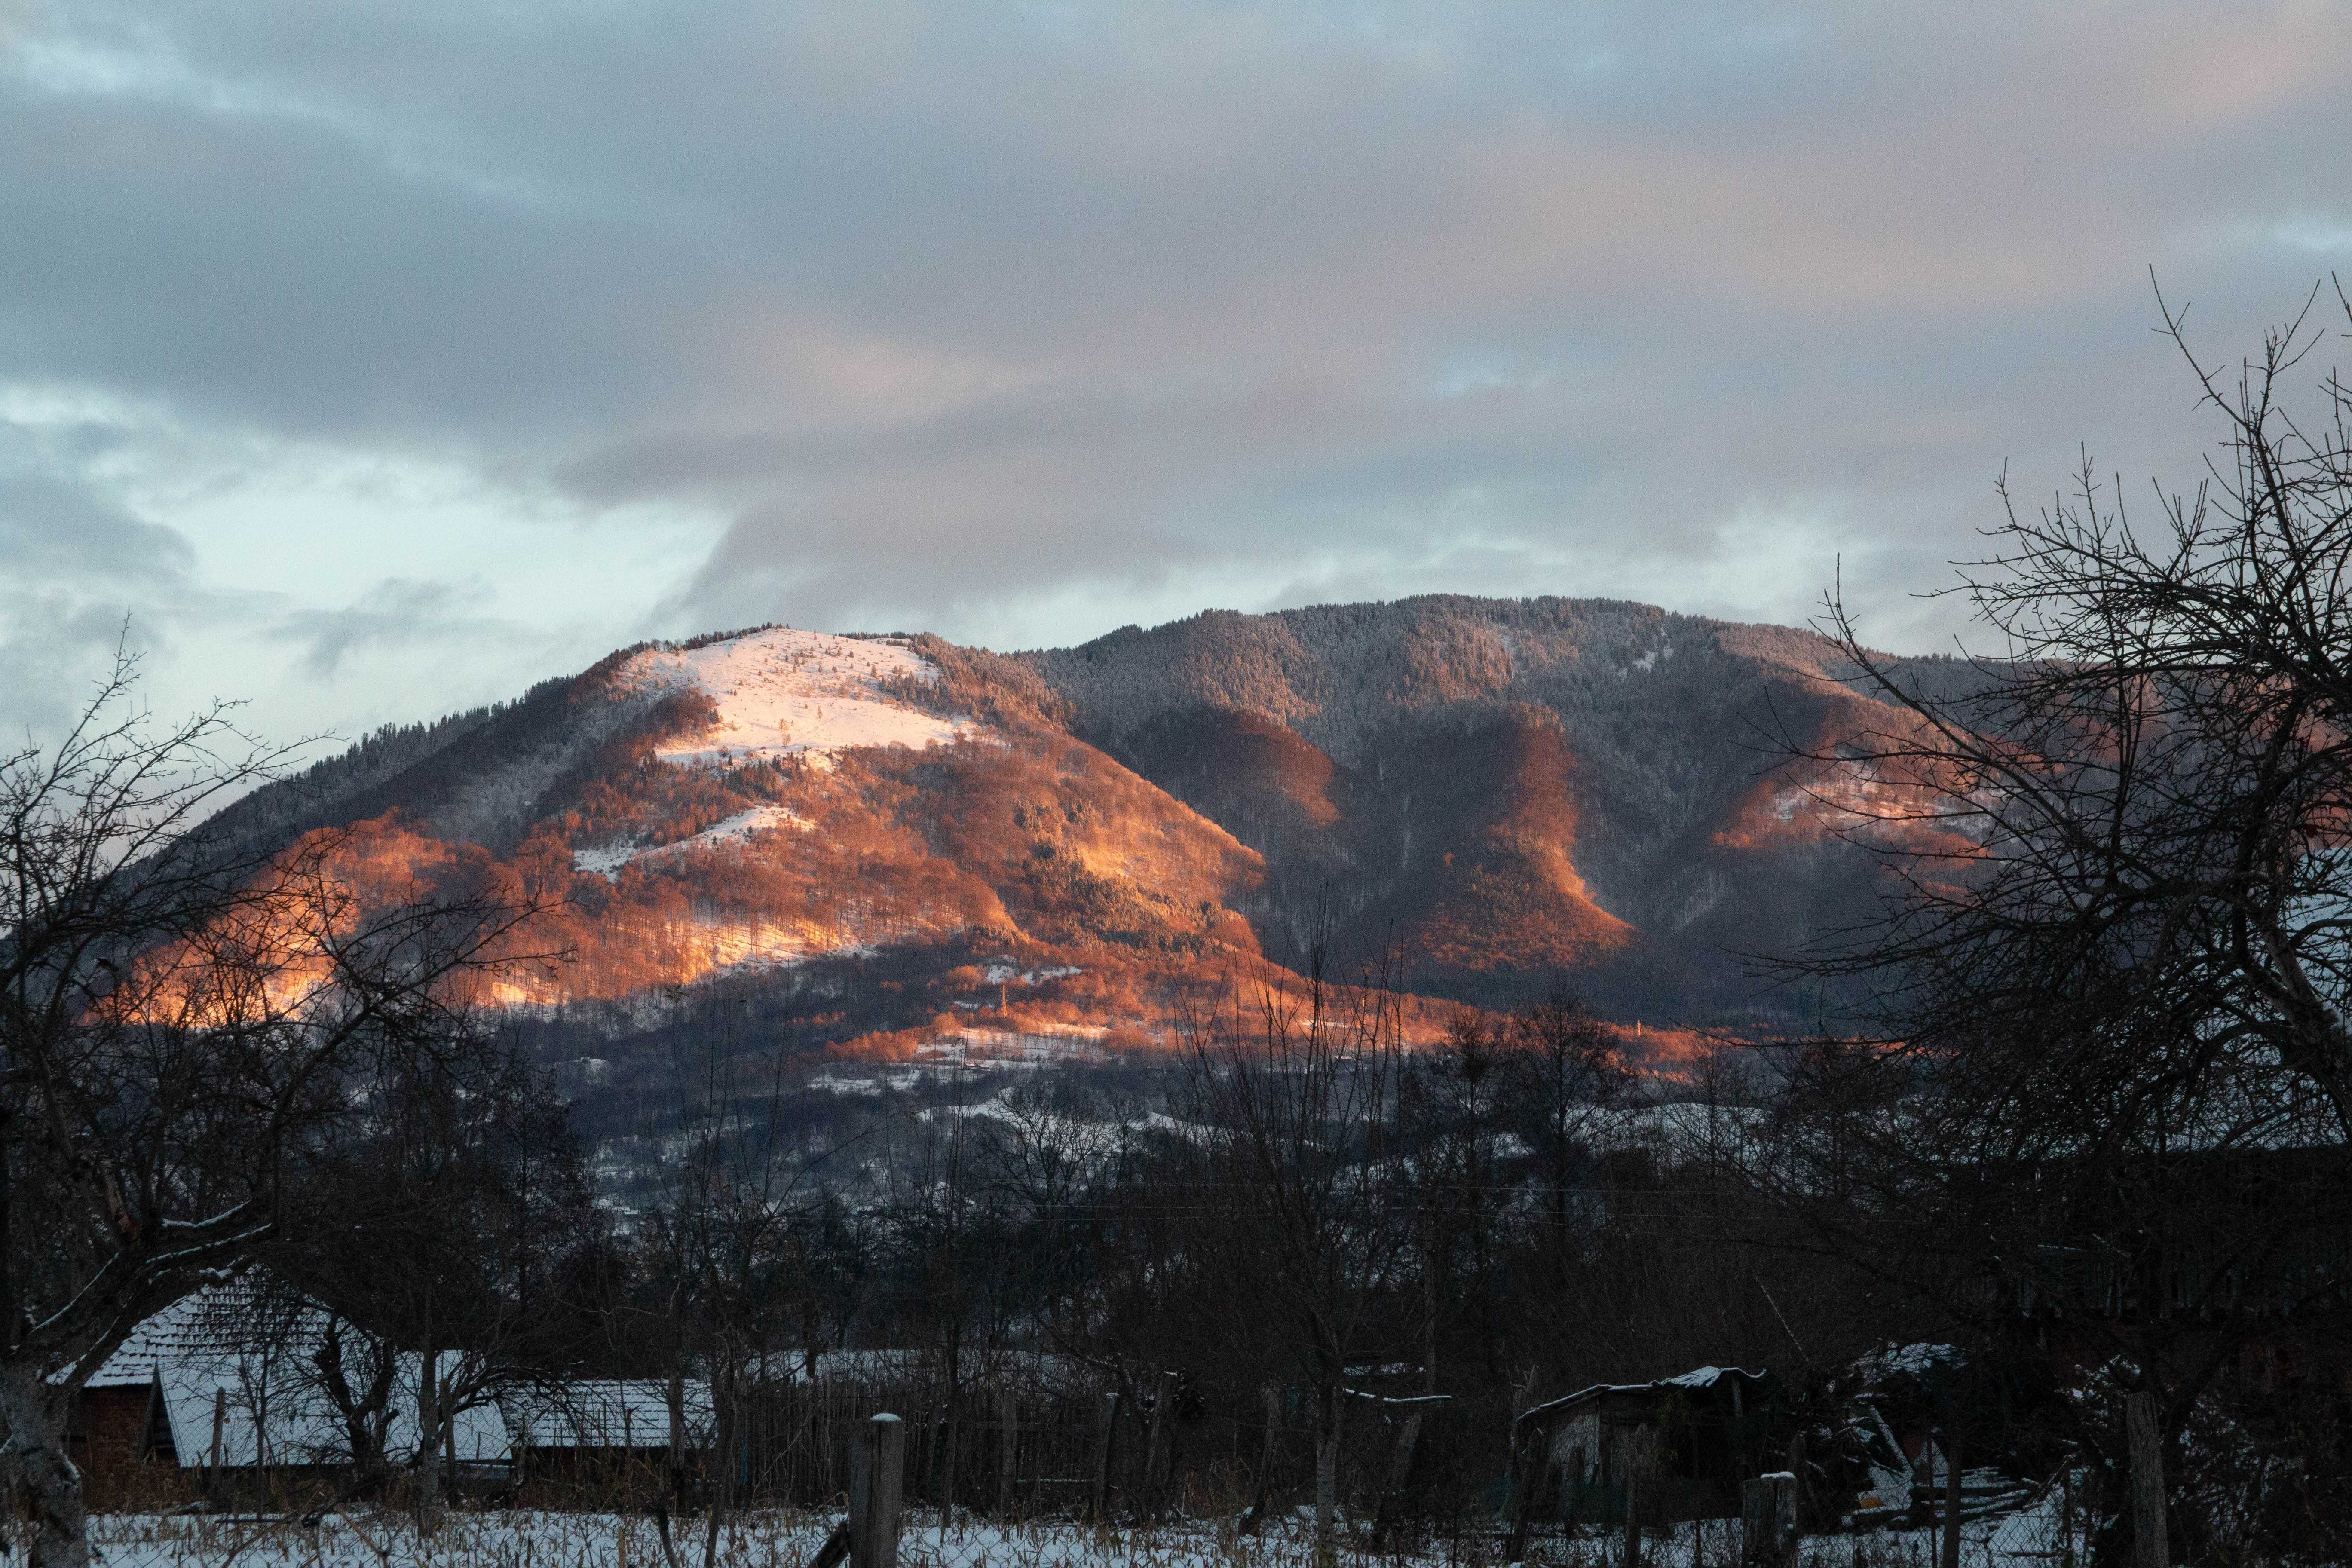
(783, 693)
(737, 829)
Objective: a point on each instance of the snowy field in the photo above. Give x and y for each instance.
(493, 1539)
(766, 1540)
(734, 832)
(783, 693)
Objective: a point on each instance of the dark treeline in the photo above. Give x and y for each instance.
(1292, 1206)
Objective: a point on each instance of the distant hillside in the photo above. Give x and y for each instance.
(1516, 790)
(893, 846)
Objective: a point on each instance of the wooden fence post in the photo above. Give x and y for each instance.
(1951, 1445)
(1527, 1469)
(1634, 1518)
(1768, 1521)
(1256, 1518)
(2151, 1549)
(2066, 1514)
(943, 1472)
(220, 1418)
(876, 1476)
(1103, 1451)
(824, 1444)
(1008, 1435)
(1273, 1439)
(677, 1393)
(1155, 1460)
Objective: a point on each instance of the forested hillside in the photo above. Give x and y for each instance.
(1517, 790)
(903, 845)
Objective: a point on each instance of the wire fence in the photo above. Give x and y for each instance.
(1019, 1474)
(1098, 1452)
(2047, 1527)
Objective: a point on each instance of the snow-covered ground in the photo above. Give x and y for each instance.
(974, 1049)
(496, 1539)
(735, 830)
(783, 693)
(1005, 972)
(980, 1045)
(778, 1539)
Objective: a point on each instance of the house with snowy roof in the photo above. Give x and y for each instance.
(1685, 1443)
(227, 1384)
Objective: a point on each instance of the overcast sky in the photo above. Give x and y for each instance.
(377, 360)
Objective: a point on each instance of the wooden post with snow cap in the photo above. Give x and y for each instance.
(876, 1474)
(1768, 1521)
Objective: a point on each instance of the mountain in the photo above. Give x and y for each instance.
(1513, 789)
(895, 844)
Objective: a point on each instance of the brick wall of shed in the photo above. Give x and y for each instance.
(110, 1429)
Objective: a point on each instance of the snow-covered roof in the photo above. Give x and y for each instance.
(1697, 1379)
(247, 1351)
(272, 1414)
(605, 1413)
(201, 1324)
(1702, 1377)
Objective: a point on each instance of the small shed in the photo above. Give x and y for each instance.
(591, 1429)
(1686, 1443)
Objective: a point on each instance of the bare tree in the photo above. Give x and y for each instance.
(467, 1186)
(1559, 1071)
(1295, 1091)
(726, 1242)
(181, 1018)
(2105, 1040)
(2135, 810)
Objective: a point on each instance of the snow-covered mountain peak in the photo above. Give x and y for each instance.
(786, 692)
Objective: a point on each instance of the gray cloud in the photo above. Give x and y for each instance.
(57, 531)
(394, 612)
(73, 563)
(1023, 322)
